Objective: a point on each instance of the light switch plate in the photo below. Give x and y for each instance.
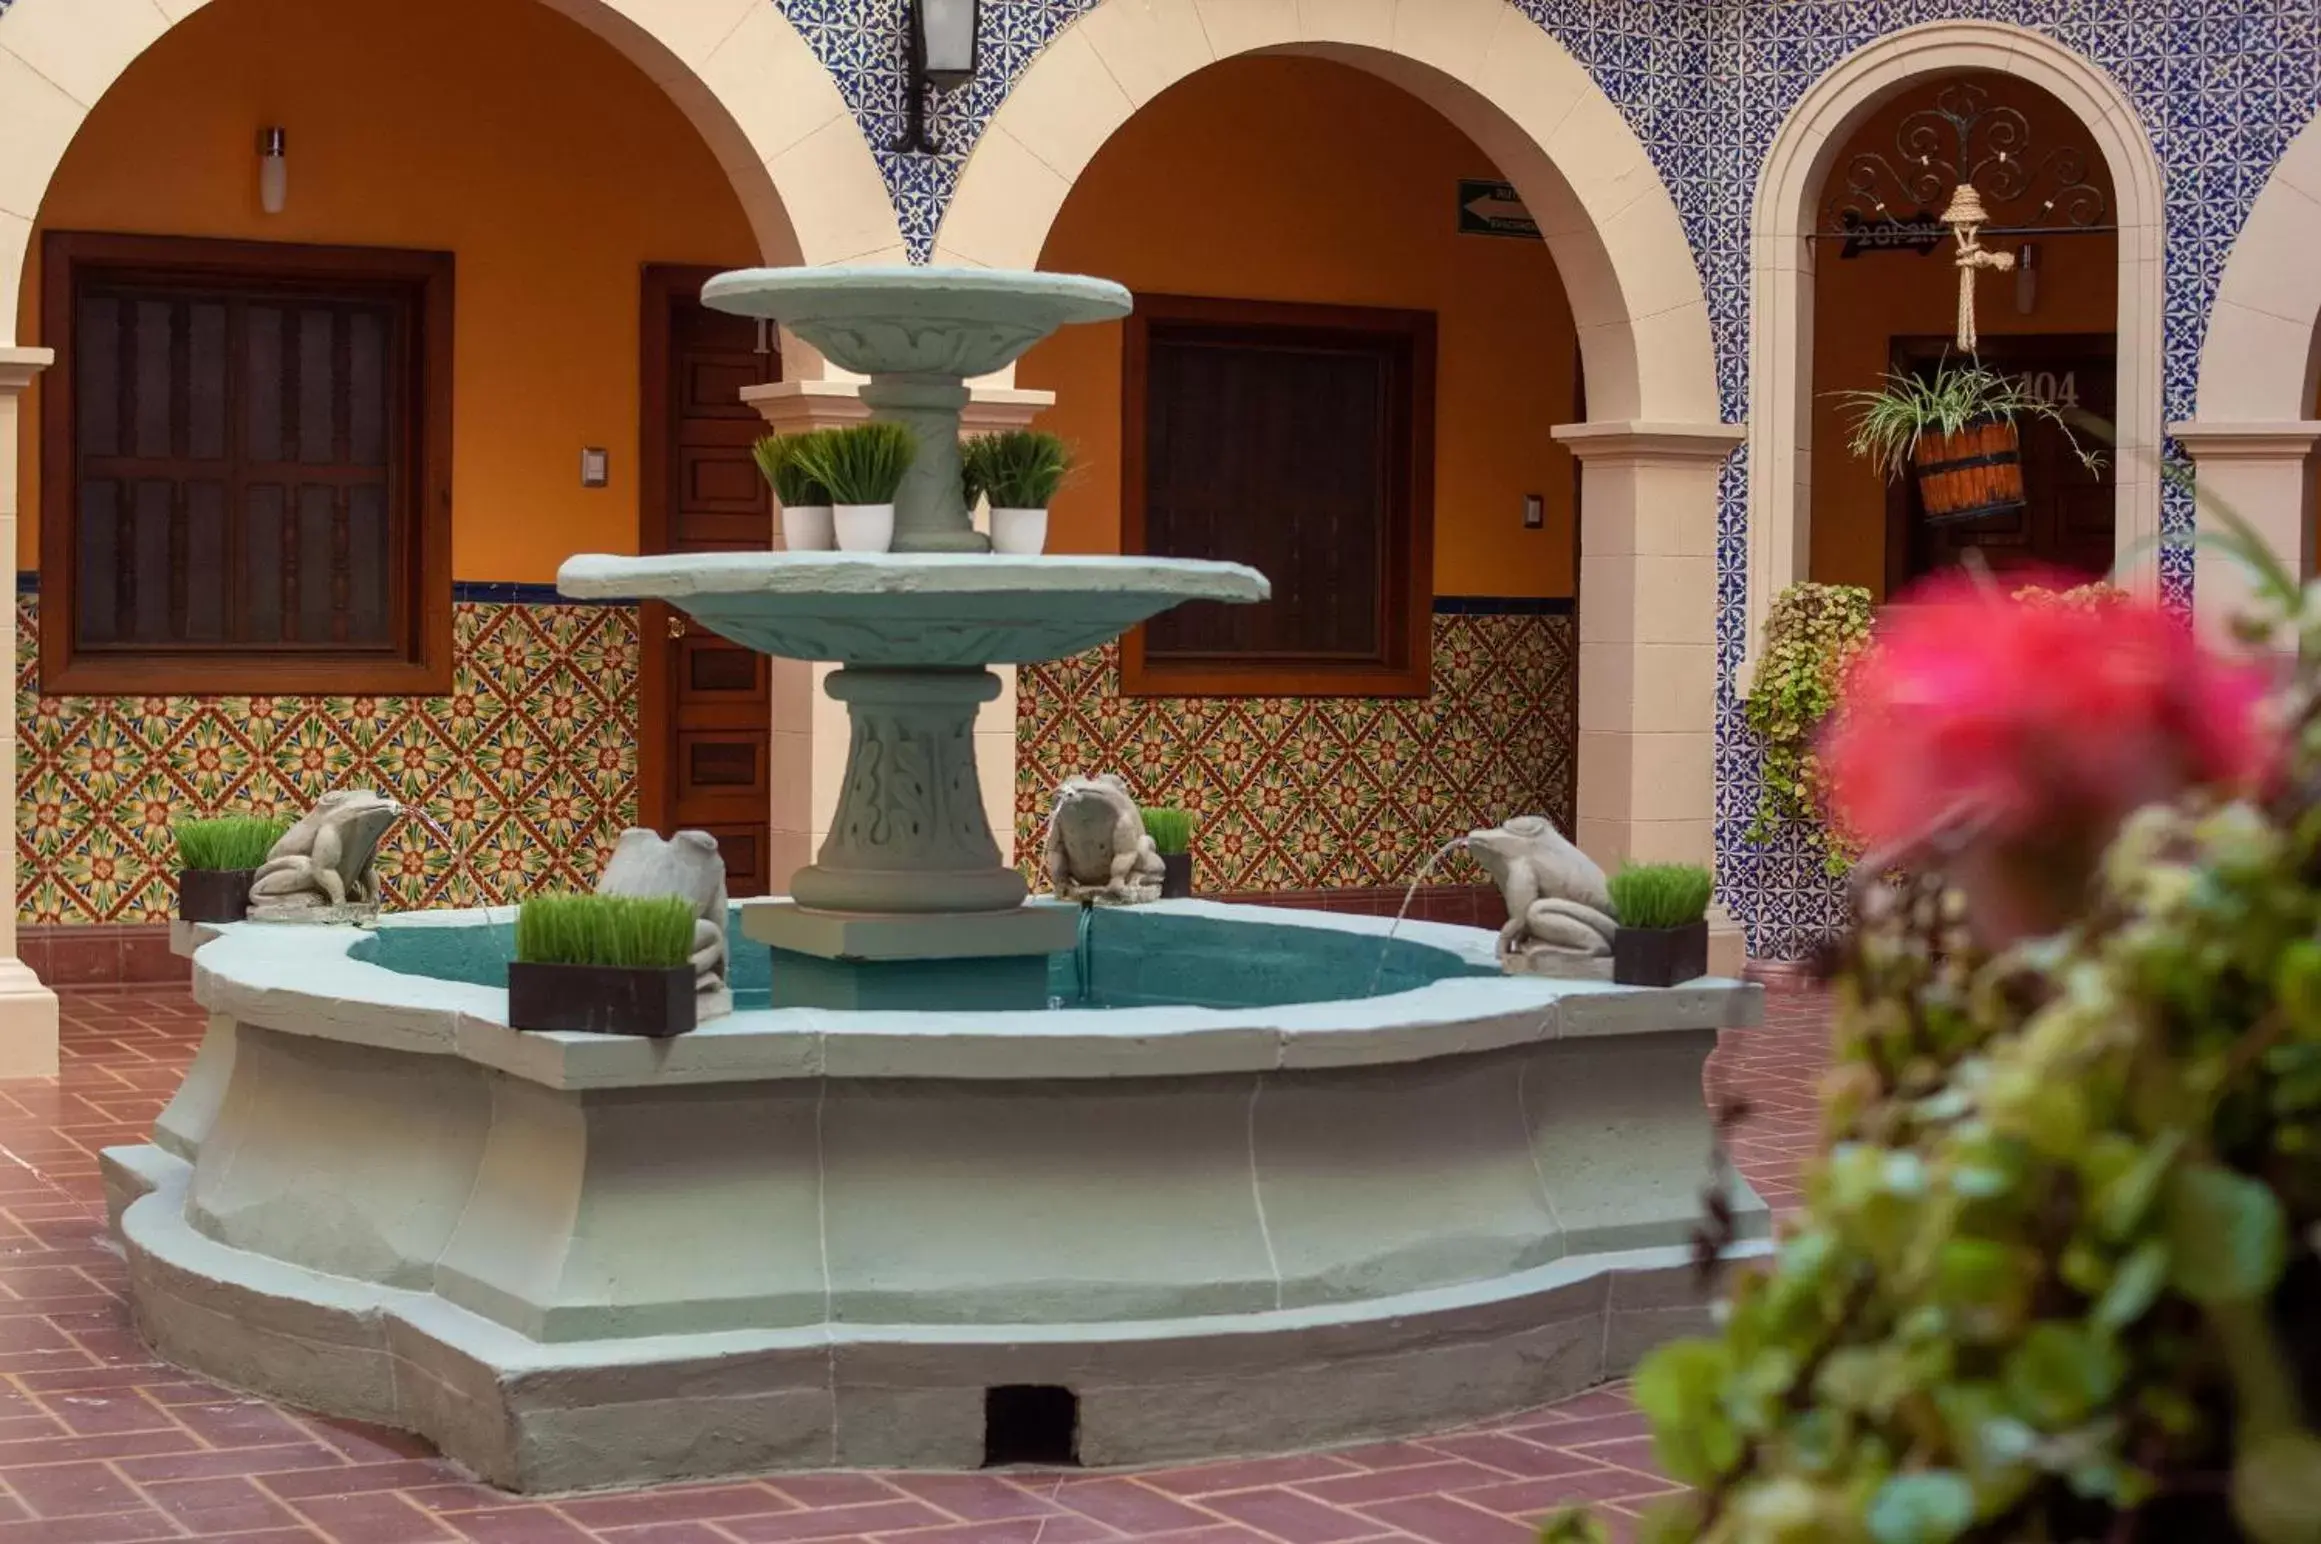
(1534, 512)
(595, 467)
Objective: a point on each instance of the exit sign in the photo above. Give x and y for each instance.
(1489, 208)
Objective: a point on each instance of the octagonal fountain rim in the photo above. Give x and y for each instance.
(307, 981)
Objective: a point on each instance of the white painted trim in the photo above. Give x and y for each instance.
(1789, 188)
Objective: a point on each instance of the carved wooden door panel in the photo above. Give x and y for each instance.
(704, 720)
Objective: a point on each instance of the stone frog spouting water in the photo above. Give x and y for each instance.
(1097, 847)
(325, 862)
(1559, 908)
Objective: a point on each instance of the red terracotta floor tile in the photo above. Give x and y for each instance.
(102, 1444)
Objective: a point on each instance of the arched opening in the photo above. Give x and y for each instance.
(1651, 445)
(1281, 220)
(1786, 453)
(1886, 299)
(240, 390)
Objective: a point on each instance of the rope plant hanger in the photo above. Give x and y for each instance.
(1956, 428)
(1966, 156)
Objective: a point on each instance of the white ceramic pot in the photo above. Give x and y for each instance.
(807, 528)
(1019, 533)
(864, 527)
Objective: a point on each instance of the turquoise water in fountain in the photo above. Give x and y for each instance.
(1132, 958)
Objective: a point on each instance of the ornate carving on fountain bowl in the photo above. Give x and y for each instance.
(941, 346)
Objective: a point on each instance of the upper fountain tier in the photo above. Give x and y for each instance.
(918, 334)
(952, 322)
(919, 610)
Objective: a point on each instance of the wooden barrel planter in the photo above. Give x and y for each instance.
(1970, 475)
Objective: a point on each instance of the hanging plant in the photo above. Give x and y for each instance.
(1810, 640)
(1960, 428)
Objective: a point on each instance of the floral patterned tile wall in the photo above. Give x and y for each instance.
(528, 769)
(1323, 792)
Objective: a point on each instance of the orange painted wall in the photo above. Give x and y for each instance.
(1861, 304)
(1300, 179)
(495, 129)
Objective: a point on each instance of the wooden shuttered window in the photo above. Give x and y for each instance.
(1299, 440)
(245, 468)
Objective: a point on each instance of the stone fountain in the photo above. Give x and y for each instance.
(911, 902)
(1264, 1180)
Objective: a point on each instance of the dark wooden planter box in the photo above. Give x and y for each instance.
(1660, 956)
(1176, 876)
(601, 999)
(214, 895)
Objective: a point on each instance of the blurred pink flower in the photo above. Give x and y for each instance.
(2047, 725)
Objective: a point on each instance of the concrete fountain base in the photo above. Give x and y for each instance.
(801, 1238)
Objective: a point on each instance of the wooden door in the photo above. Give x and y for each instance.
(2066, 521)
(704, 714)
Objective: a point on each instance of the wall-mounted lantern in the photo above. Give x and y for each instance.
(273, 170)
(942, 56)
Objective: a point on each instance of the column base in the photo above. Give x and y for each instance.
(27, 1023)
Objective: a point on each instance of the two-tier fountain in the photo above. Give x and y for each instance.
(1265, 1179)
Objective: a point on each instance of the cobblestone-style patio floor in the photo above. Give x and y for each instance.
(98, 1443)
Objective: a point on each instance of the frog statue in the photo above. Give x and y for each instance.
(323, 865)
(1559, 909)
(1097, 847)
(687, 864)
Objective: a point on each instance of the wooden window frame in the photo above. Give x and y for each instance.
(419, 662)
(1405, 666)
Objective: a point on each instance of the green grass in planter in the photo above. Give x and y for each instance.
(860, 464)
(1661, 895)
(781, 461)
(1018, 469)
(1171, 831)
(227, 842)
(629, 931)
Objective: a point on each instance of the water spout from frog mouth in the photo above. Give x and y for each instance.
(1455, 844)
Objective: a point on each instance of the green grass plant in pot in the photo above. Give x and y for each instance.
(806, 521)
(217, 859)
(863, 467)
(1662, 909)
(1959, 429)
(604, 965)
(1019, 471)
(1171, 831)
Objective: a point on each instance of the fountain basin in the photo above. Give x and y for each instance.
(917, 321)
(799, 1238)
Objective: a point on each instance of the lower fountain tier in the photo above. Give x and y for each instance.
(798, 1238)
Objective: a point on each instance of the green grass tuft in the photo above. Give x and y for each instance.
(860, 464)
(780, 461)
(1020, 469)
(227, 842)
(632, 931)
(1661, 895)
(1171, 830)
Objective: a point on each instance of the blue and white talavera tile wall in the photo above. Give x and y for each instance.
(2222, 86)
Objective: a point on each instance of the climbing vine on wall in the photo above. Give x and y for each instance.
(1810, 639)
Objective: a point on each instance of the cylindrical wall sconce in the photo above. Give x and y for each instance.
(273, 170)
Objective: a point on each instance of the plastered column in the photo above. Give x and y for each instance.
(810, 729)
(1647, 623)
(27, 1009)
(2261, 472)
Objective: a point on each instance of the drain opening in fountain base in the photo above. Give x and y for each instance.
(1031, 1423)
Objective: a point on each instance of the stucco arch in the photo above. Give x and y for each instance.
(1653, 445)
(1789, 189)
(2255, 425)
(2261, 362)
(749, 84)
(1507, 84)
